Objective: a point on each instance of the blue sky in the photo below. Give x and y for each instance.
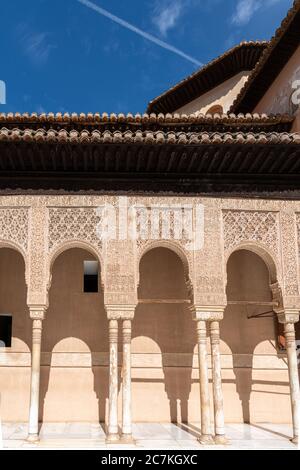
(70, 56)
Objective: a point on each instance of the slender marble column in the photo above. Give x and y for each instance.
(289, 332)
(217, 384)
(37, 317)
(206, 437)
(126, 390)
(113, 430)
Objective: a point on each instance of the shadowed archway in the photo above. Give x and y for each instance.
(13, 303)
(74, 373)
(164, 333)
(250, 330)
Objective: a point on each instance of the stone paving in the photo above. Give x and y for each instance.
(148, 436)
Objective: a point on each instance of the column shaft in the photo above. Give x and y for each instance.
(289, 332)
(126, 391)
(35, 380)
(113, 431)
(204, 383)
(217, 383)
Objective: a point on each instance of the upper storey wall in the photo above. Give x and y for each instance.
(296, 126)
(223, 95)
(278, 97)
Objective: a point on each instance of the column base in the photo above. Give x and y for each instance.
(295, 440)
(33, 438)
(221, 440)
(206, 440)
(127, 439)
(112, 439)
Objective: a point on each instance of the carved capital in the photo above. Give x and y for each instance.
(37, 331)
(113, 331)
(210, 314)
(127, 331)
(37, 313)
(290, 335)
(201, 333)
(288, 316)
(214, 329)
(120, 312)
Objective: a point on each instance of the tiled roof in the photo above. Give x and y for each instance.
(96, 118)
(146, 137)
(182, 122)
(281, 48)
(242, 57)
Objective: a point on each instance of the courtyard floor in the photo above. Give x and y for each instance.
(147, 436)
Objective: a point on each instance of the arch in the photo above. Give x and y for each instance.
(14, 246)
(149, 344)
(78, 344)
(69, 245)
(163, 332)
(216, 109)
(260, 251)
(172, 246)
(250, 331)
(15, 294)
(13, 302)
(67, 343)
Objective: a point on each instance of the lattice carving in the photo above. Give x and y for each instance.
(289, 250)
(298, 230)
(67, 224)
(37, 261)
(298, 240)
(14, 226)
(164, 223)
(250, 226)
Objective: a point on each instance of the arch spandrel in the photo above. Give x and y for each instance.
(14, 225)
(256, 231)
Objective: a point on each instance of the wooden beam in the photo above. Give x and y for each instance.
(164, 301)
(246, 302)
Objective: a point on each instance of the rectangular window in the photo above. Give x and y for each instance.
(91, 274)
(5, 330)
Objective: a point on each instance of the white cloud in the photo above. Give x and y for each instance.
(167, 14)
(35, 45)
(246, 9)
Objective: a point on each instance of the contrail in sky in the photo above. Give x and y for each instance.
(136, 30)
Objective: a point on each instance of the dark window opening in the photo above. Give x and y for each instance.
(91, 274)
(5, 331)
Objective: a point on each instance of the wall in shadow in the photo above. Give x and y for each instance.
(248, 280)
(15, 381)
(169, 326)
(76, 325)
(13, 293)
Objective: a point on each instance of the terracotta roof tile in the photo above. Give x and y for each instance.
(34, 119)
(281, 48)
(242, 57)
(147, 137)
